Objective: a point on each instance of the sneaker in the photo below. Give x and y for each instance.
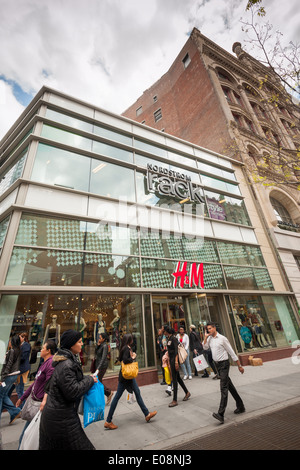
(109, 398)
(150, 415)
(185, 377)
(110, 425)
(190, 377)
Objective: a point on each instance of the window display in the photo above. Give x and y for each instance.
(46, 316)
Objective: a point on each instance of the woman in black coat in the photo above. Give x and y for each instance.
(172, 346)
(60, 426)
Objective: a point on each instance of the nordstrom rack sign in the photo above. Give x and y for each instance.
(172, 183)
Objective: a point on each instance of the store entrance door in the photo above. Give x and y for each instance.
(186, 310)
(169, 311)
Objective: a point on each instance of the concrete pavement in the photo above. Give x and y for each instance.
(272, 386)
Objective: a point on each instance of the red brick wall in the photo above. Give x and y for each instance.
(190, 106)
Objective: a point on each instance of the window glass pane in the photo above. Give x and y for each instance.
(160, 245)
(67, 138)
(111, 151)
(108, 179)
(111, 239)
(176, 157)
(255, 256)
(111, 271)
(227, 208)
(213, 277)
(243, 278)
(263, 279)
(50, 232)
(3, 229)
(61, 168)
(44, 268)
(232, 253)
(143, 161)
(283, 322)
(112, 135)
(150, 148)
(200, 250)
(218, 184)
(12, 174)
(216, 171)
(157, 273)
(69, 120)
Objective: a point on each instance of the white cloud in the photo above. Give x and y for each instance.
(10, 108)
(108, 52)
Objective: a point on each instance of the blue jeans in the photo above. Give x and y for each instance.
(5, 401)
(186, 367)
(120, 390)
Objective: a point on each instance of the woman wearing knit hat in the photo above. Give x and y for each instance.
(60, 426)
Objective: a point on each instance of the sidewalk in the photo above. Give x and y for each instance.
(265, 388)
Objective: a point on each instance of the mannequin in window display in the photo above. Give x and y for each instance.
(82, 326)
(52, 331)
(115, 337)
(36, 329)
(99, 327)
(258, 326)
(244, 332)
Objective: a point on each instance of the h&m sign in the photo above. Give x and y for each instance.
(192, 278)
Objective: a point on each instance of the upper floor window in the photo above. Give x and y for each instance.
(139, 110)
(186, 61)
(282, 214)
(157, 115)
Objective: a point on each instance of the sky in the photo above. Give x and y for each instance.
(107, 52)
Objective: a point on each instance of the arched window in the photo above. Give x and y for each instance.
(281, 212)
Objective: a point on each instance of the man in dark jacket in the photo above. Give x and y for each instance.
(60, 426)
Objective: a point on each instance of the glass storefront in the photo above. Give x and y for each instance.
(46, 316)
(117, 278)
(260, 322)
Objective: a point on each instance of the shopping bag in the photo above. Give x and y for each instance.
(31, 437)
(167, 375)
(200, 362)
(93, 404)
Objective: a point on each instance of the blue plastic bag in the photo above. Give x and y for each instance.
(93, 404)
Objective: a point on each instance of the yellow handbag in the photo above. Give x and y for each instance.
(130, 371)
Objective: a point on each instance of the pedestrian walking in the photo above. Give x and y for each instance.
(60, 427)
(9, 374)
(37, 389)
(161, 345)
(172, 345)
(127, 356)
(196, 347)
(101, 355)
(24, 364)
(185, 366)
(221, 350)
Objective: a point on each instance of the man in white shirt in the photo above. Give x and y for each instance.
(221, 350)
